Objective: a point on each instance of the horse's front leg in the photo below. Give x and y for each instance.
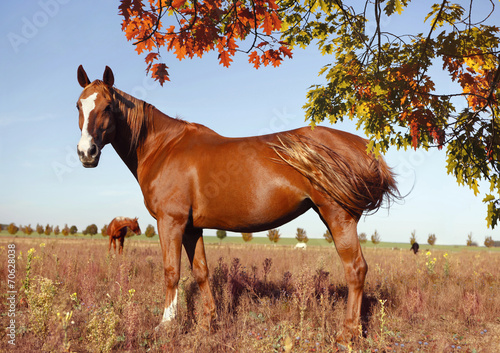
(195, 249)
(170, 232)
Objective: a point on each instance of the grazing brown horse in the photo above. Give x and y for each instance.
(118, 228)
(193, 178)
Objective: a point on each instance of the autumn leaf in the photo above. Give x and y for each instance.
(151, 57)
(286, 51)
(254, 58)
(124, 9)
(225, 59)
(160, 73)
(394, 6)
(178, 3)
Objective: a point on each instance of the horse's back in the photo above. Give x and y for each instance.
(115, 225)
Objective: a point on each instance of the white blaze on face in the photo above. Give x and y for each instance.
(88, 104)
(171, 312)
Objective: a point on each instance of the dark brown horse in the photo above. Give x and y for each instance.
(192, 178)
(117, 230)
(414, 248)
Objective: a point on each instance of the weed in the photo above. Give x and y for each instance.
(131, 317)
(303, 293)
(29, 259)
(430, 263)
(65, 321)
(101, 335)
(40, 297)
(446, 266)
(76, 302)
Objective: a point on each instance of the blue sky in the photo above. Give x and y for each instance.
(42, 181)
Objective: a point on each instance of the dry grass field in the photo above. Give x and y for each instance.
(72, 297)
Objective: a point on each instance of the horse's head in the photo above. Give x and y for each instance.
(135, 227)
(96, 116)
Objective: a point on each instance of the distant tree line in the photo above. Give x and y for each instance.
(272, 234)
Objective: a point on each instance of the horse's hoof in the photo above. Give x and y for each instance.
(341, 347)
(162, 326)
(343, 339)
(206, 326)
(207, 322)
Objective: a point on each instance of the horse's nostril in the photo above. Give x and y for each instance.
(93, 150)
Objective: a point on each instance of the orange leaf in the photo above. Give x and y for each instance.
(124, 9)
(286, 52)
(160, 73)
(276, 21)
(225, 59)
(150, 57)
(267, 26)
(140, 47)
(272, 4)
(177, 4)
(254, 58)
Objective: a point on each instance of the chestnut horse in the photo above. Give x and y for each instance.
(193, 178)
(118, 228)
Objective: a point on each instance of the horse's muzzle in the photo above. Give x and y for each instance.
(90, 157)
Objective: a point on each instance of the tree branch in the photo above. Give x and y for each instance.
(156, 26)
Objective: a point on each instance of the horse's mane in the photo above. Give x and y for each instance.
(138, 113)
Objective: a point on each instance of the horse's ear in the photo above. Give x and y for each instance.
(83, 79)
(108, 77)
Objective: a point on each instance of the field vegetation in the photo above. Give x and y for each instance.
(73, 296)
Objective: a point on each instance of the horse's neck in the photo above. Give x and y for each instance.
(124, 221)
(127, 223)
(161, 131)
(157, 129)
(124, 224)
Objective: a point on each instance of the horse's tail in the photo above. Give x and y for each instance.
(358, 184)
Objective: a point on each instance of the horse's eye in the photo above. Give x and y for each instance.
(108, 108)
(77, 107)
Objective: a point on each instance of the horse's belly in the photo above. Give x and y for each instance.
(246, 215)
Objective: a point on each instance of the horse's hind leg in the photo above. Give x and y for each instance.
(193, 243)
(112, 241)
(120, 247)
(343, 228)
